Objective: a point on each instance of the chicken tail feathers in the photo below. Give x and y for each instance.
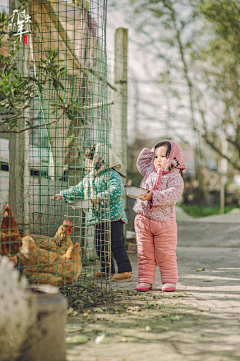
(28, 245)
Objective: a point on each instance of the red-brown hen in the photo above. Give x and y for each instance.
(9, 236)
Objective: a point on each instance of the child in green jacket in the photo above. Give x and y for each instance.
(102, 185)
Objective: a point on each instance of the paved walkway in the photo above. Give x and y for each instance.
(222, 218)
(201, 321)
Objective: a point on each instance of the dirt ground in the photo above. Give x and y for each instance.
(200, 321)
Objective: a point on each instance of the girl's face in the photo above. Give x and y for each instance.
(160, 159)
(89, 164)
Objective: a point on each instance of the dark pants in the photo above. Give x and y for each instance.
(117, 247)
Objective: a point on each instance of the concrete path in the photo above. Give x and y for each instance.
(198, 322)
(214, 231)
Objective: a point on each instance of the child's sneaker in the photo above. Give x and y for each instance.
(122, 277)
(143, 287)
(169, 287)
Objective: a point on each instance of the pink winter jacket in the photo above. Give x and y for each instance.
(162, 205)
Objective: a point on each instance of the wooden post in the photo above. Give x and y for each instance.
(223, 178)
(119, 123)
(136, 108)
(19, 148)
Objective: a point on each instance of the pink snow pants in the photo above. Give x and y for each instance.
(156, 245)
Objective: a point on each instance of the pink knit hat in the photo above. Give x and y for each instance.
(175, 160)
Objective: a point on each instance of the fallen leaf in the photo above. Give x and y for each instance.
(124, 339)
(100, 339)
(200, 269)
(73, 328)
(77, 339)
(173, 318)
(98, 309)
(70, 311)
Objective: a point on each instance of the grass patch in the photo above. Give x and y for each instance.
(200, 211)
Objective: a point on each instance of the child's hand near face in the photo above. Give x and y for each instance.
(95, 200)
(57, 197)
(147, 196)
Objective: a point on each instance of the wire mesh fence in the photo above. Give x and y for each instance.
(55, 122)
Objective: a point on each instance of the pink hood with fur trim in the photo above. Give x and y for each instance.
(175, 161)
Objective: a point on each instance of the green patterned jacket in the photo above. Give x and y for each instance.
(108, 186)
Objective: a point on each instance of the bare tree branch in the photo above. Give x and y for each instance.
(35, 126)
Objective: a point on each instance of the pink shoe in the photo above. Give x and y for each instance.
(168, 287)
(143, 287)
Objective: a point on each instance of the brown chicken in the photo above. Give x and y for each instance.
(9, 235)
(61, 242)
(45, 267)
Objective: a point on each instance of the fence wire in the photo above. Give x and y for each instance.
(61, 77)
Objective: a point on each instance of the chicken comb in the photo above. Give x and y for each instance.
(6, 212)
(67, 222)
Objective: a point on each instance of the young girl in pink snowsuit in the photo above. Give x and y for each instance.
(155, 222)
